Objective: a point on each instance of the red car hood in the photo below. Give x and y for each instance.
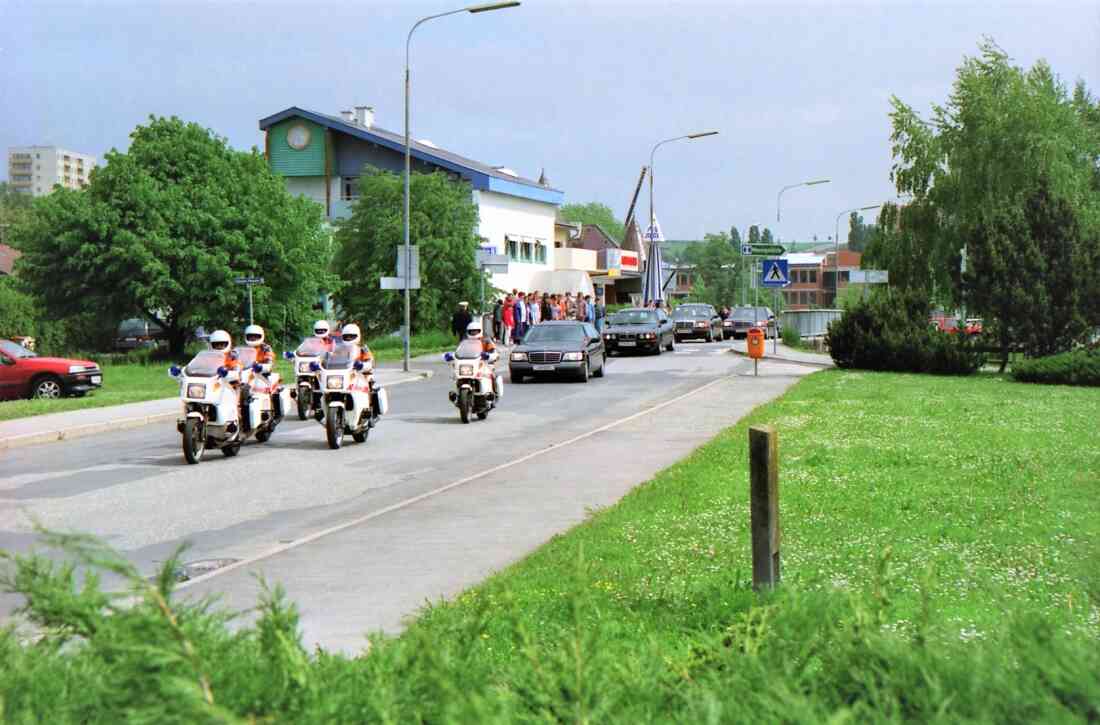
(58, 362)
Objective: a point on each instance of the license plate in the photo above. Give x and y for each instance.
(542, 368)
(97, 379)
(627, 343)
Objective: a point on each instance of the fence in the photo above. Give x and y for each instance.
(809, 323)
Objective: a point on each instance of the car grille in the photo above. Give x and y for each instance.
(625, 336)
(685, 325)
(541, 358)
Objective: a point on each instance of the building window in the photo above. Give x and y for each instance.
(513, 250)
(813, 276)
(540, 253)
(844, 277)
(349, 188)
(526, 254)
(811, 298)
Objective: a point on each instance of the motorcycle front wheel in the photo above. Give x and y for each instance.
(194, 440)
(334, 427)
(465, 402)
(304, 394)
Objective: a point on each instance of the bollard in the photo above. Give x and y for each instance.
(764, 505)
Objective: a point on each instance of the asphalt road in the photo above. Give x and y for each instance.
(303, 514)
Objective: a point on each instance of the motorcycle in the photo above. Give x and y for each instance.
(307, 388)
(351, 402)
(477, 386)
(212, 406)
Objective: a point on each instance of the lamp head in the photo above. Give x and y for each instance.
(702, 134)
(486, 7)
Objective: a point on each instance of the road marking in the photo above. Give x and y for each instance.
(281, 548)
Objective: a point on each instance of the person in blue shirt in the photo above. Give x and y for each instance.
(589, 310)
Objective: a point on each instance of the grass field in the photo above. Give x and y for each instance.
(134, 382)
(941, 563)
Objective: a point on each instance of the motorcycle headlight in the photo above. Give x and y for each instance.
(196, 390)
(334, 382)
(303, 367)
(519, 356)
(466, 370)
(573, 356)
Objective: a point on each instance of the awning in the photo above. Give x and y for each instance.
(561, 281)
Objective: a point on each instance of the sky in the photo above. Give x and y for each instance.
(797, 90)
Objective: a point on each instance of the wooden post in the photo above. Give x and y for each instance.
(764, 504)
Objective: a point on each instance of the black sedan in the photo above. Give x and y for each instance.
(560, 348)
(742, 318)
(697, 321)
(638, 329)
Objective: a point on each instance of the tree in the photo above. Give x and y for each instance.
(14, 206)
(595, 213)
(754, 234)
(164, 228)
(859, 233)
(766, 237)
(735, 238)
(717, 270)
(441, 225)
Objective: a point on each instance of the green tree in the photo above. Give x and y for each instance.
(717, 270)
(754, 234)
(14, 206)
(441, 225)
(860, 234)
(766, 237)
(735, 238)
(164, 228)
(595, 213)
(18, 315)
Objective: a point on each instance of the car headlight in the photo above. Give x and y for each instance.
(466, 370)
(573, 356)
(519, 356)
(700, 324)
(334, 382)
(650, 336)
(76, 368)
(609, 336)
(303, 367)
(196, 390)
(727, 323)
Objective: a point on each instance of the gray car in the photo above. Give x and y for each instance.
(697, 321)
(563, 348)
(743, 318)
(638, 329)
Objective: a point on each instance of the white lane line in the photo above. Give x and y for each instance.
(442, 489)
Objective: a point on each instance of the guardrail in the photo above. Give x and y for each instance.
(809, 323)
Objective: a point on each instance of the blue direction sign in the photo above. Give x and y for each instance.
(776, 273)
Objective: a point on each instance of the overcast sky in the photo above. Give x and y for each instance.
(799, 90)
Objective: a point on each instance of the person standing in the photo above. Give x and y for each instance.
(599, 312)
(508, 319)
(534, 311)
(498, 321)
(521, 317)
(461, 320)
(545, 312)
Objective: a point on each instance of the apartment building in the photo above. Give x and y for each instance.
(35, 170)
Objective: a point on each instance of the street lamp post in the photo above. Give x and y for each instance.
(690, 136)
(779, 196)
(836, 249)
(408, 155)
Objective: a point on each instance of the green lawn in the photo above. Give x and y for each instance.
(138, 381)
(941, 563)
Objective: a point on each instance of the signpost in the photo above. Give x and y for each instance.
(776, 273)
(398, 282)
(762, 250)
(249, 282)
(489, 261)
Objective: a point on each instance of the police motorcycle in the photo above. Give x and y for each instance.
(477, 386)
(307, 389)
(351, 401)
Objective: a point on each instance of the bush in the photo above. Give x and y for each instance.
(891, 332)
(1077, 367)
(791, 336)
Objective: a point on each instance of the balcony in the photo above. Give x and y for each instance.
(569, 258)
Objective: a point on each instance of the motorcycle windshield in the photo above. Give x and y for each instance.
(246, 355)
(205, 364)
(340, 358)
(468, 350)
(312, 347)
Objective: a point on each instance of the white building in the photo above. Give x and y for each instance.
(321, 156)
(36, 170)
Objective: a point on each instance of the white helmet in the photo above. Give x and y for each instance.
(350, 334)
(321, 328)
(220, 340)
(473, 330)
(254, 335)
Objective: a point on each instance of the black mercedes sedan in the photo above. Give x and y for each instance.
(638, 329)
(697, 321)
(562, 348)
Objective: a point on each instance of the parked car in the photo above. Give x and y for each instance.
(742, 318)
(695, 321)
(637, 328)
(137, 332)
(560, 348)
(950, 324)
(24, 374)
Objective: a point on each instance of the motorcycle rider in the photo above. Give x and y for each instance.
(322, 332)
(223, 343)
(350, 335)
(265, 358)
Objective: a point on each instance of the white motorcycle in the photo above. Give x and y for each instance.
(477, 386)
(307, 390)
(351, 402)
(212, 408)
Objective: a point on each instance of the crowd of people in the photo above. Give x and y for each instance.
(515, 313)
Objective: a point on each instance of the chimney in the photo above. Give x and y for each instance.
(348, 116)
(364, 116)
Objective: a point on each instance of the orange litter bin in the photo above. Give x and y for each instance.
(755, 340)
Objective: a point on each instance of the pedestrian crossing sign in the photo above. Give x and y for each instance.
(775, 273)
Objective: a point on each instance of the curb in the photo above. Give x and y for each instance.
(89, 429)
(792, 361)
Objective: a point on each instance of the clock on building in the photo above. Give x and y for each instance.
(297, 137)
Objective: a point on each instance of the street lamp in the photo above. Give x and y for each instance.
(690, 136)
(473, 9)
(779, 196)
(836, 249)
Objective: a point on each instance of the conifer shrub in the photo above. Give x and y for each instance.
(1076, 367)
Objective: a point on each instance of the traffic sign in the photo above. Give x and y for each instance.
(763, 250)
(776, 273)
(249, 280)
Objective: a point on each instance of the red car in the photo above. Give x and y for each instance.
(23, 374)
(950, 324)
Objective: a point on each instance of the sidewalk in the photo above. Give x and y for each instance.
(787, 354)
(90, 421)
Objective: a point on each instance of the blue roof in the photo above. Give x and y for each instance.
(480, 176)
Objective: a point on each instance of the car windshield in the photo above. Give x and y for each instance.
(11, 349)
(468, 349)
(633, 317)
(247, 355)
(744, 314)
(551, 334)
(685, 312)
(340, 358)
(205, 364)
(312, 347)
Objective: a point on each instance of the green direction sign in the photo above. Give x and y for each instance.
(762, 250)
